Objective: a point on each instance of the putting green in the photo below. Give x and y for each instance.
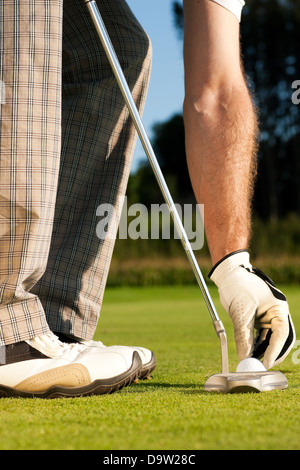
(171, 411)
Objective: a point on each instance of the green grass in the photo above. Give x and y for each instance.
(171, 411)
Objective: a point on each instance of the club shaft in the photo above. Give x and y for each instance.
(124, 88)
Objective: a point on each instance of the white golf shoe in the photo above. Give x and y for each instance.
(47, 368)
(147, 356)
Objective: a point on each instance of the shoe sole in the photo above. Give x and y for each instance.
(148, 368)
(98, 387)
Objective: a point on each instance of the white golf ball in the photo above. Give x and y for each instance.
(250, 365)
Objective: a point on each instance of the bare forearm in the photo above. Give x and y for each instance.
(220, 125)
(221, 156)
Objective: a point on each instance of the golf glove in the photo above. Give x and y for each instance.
(253, 302)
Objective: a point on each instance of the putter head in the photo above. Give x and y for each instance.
(246, 382)
(241, 382)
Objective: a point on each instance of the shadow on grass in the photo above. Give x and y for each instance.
(195, 388)
(188, 388)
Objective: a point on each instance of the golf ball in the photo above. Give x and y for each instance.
(250, 365)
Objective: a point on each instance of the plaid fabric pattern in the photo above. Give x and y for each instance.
(66, 144)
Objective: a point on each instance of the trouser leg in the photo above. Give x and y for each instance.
(98, 140)
(30, 71)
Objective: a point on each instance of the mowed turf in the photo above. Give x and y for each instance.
(172, 410)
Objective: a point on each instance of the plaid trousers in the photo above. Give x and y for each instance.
(66, 144)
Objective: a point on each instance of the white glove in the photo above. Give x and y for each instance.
(252, 301)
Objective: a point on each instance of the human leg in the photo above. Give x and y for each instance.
(30, 41)
(33, 362)
(98, 141)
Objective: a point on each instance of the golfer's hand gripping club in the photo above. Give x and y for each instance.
(253, 302)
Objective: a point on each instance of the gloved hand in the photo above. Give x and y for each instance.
(253, 302)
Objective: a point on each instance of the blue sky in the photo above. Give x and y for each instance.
(166, 89)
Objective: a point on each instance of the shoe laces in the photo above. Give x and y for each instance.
(50, 345)
(91, 343)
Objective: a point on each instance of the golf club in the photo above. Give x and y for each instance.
(225, 381)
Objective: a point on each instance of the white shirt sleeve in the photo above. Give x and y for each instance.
(235, 6)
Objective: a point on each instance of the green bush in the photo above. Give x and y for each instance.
(275, 248)
(278, 237)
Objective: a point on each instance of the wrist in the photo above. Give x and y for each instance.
(227, 263)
